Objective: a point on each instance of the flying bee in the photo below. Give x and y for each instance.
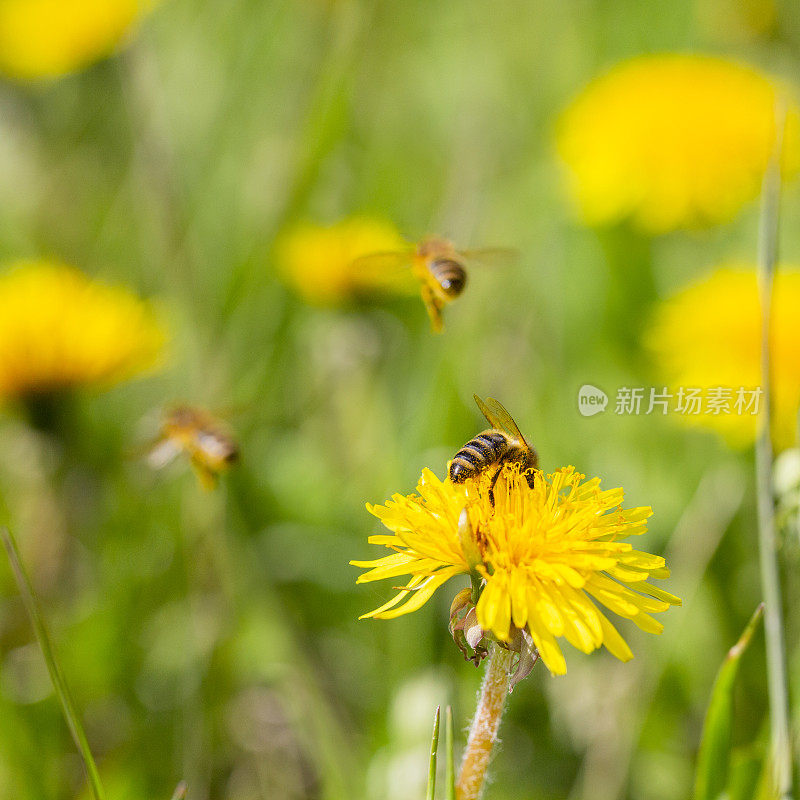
(500, 445)
(439, 268)
(209, 446)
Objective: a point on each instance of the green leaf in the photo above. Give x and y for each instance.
(431, 793)
(714, 758)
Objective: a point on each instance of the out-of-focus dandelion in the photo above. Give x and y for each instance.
(205, 440)
(320, 262)
(707, 338)
(540, 556)
(672, 141)
(51, 38)
(60, 330)
(786, 482)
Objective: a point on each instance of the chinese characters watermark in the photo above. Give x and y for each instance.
(683, 400)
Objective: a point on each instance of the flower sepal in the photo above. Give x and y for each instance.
(473, 641)
(522, 643)
(464, 628)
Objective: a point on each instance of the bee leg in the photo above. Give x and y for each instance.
(434, 308)
(494, 482)
(206, 476)
(530, 475)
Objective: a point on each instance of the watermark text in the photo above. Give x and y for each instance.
(683, 400)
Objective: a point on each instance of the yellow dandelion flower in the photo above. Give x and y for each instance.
(708, 337)
(51, 38)
(60, 330)
(318, 261)
(549, 557)
(673, 141)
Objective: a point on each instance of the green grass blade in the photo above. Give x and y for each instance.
(56, 675)
(431, 793)
(767, 539)
(714, 758)
(450, 766)
(747, 766)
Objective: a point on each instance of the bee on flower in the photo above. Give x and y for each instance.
(543, 555)
(673, 141)
(709, 335)
(61, 331)
(44, 39)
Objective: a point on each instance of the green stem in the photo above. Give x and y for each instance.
(770, 576)
(431, 793)
(485, 724)
(56, 675)
(449, 767)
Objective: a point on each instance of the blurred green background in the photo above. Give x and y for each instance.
(214, 636)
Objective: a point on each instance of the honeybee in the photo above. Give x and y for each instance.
(501, 444)
(193, 431)
(439, 268)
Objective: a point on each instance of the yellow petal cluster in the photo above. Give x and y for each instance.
(551, 555)
(319, 261)
(709, 335)
(50, 38)
(672, 141)
(58, 329)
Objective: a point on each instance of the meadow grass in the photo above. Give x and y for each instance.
(213, 637)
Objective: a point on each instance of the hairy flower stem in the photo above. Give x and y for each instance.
(485, 724)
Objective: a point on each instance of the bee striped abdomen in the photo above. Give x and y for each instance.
(477, 454)
(450, 275)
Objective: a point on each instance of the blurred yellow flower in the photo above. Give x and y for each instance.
(50, 38)
(708, 336)
(543, 553)
(318, 261)
(59, 330)
(672, 141)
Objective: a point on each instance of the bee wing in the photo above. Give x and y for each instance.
(389, 263)
(491, 257)
(392, 270)
(162, 453)
(498, 417)
(216, 448)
